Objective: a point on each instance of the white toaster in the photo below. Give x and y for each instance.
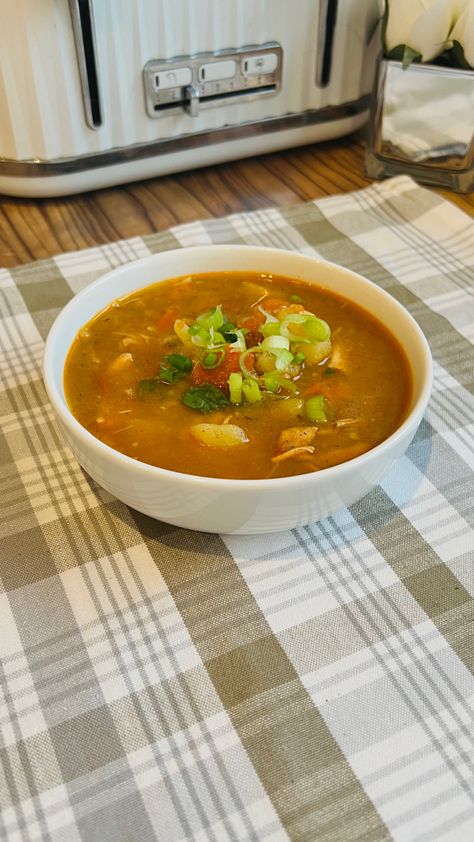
(101, 92)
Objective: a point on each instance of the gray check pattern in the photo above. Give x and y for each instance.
(157, 684)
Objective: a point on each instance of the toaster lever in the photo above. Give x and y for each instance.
(192, 100)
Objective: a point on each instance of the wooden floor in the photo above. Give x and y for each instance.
(34, 229)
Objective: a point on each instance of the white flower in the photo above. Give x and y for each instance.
(463, 32)
(422, 25)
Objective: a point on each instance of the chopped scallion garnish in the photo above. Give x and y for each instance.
(315, 408)
(235, 387)
(270, 328)
(309, 328)
(272, 342)
(251, 390)
(213, 359)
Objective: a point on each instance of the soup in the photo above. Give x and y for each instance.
(237, 375)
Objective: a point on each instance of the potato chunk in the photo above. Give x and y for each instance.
(219, 435)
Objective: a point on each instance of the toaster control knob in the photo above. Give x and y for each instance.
(192, 97)
(259, 65)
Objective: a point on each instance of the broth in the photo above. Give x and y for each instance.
(315, 380)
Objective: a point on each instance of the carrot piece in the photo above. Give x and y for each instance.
(167, 320)
(335, 390)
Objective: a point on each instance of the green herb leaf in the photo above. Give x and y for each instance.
(179, 361)
(409, 56)
(149, 388)
(205, 398)
(173, 368)
(227, 327)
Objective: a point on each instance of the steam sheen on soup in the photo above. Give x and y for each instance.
(237, 375)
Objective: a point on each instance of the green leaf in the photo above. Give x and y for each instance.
(457, 57)
(409, 56)
(396, 53)
(173, 368)
(205, 398)
(151, 388)
(179, 361)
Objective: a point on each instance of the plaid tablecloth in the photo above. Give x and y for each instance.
(158, 684)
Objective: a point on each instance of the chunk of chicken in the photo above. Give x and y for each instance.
(296, 437)
(298, 452)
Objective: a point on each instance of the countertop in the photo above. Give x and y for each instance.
(35, 229)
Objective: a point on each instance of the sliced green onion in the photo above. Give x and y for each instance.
(315, 408)
(243, 362)
(272, 381)
(213, 359)
(235, 387)
(272, 342)
(283, 358)
(213, 318)
(270, 328)
(251, 390)
(288, 384)
(314, 329)
(299, 358)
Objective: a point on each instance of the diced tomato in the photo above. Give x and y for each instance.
(220, 375)
(167, 320)
(254, 321)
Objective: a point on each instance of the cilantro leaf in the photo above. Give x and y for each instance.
(205, 398)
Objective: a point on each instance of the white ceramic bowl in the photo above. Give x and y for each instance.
(221, 505)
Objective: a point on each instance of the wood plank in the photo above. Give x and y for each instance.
(35, 229)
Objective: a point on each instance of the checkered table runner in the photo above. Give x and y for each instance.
(158, 684)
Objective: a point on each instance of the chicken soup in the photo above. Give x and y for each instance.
(237, 375)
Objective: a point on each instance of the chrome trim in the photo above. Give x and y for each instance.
(214, 93)
(118, 155)
(93, 122)
(192, 99)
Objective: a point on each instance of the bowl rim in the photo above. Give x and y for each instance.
(105, 451)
